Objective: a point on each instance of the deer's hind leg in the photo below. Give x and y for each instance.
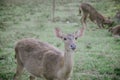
(20, 66)
(19, 70)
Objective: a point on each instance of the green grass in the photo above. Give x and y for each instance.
(97, 55)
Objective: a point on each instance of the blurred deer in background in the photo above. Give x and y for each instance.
(115, 31)
(42, 59)
(90, 12)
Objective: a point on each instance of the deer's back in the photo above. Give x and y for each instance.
(88, 8)
(38, 57)
(93, 13)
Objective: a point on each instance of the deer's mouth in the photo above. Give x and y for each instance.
(73, 47)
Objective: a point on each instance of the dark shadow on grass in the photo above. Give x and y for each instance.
(6, 76)
(117, 71)
(117, 74)
(2, 57)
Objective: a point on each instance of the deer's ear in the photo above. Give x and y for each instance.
(79, 33)
(58, 32)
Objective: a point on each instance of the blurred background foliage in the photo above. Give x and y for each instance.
(97, 57)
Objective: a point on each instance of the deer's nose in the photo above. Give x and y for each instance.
(73, 46)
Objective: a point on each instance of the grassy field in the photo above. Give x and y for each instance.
(97, 56)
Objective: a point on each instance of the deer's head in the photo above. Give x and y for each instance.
(69, 39)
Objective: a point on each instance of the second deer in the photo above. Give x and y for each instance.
(90, 12)
(42, 59)
(115, 31)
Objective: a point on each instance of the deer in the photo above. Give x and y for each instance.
(88, 11)
(42, 59)
(115, 31)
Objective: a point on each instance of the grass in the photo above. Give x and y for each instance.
(97, 55)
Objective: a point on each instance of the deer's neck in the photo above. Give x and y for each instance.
(68, 64)
(68, 61)
(68, 57)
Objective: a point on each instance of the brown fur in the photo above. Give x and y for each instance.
(90, 12)
(42, 59)
(115, 30)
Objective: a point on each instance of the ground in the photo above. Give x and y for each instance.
(97, 55)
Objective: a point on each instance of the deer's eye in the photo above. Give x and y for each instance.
(75, 38)
(65, 38)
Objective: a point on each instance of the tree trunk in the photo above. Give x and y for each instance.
(53, 10)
